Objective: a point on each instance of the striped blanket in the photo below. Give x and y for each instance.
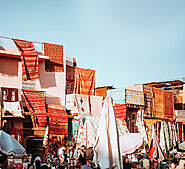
(35, 103)
(29, 59)
(58, 120)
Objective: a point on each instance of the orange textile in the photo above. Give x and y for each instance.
(55, 53)
(158, 102)
(29, 59)
(120, 111)
(168, 104)
(58, 120)
(84, 81)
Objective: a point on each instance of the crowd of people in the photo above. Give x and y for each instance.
(82, 158)
(69, 158)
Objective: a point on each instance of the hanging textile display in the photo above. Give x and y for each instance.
(140, 125)
(120, 111)
(155, 150)
(107, 151)
(167, 138)
(29, 59)
(82, 133)
(84, 81)
(96, 103)
(75, 128)
(11, 102)
(55, 53)
(168, 104)
(148, 100)
(122, 127)
(158, 102)
(35, 103)
(58, 120)
(84, 105)
(162, 138)
(80, 81)
(91, 127)
(149, 125)
(70, 79)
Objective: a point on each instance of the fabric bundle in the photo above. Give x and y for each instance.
(35, 103)
(58, 120)
(29, 59)
(55, 53)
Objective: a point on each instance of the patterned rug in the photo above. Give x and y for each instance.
(29, 59)
(55, 53)
(35, 103)
(58, 120)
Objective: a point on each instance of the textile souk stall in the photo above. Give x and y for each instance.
(166, 132)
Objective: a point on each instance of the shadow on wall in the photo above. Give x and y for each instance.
(53, 100)
(47, 79)
(9, 67)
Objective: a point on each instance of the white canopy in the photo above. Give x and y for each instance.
(9, 145)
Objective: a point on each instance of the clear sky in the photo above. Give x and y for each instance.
(126, 41)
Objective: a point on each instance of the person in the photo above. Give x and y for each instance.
(126, 163)
(3, 161)
(11, 166)
(37, 163)
(82, 163)
(61, 154)
(89, 156)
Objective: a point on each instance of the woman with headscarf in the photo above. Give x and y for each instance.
(37, 163)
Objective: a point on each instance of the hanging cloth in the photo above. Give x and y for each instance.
(29, 59)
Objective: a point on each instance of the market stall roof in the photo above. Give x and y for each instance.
(14, 53)
(166, 83)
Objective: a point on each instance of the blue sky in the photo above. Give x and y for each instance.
(126, 41)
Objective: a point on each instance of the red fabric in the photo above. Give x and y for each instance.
(180, 132)
(84, 81)
(55, 53)
(35, 103)
(70, 79)
(168, 104)
(29, 59)
(58, 120)
(120, 110)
